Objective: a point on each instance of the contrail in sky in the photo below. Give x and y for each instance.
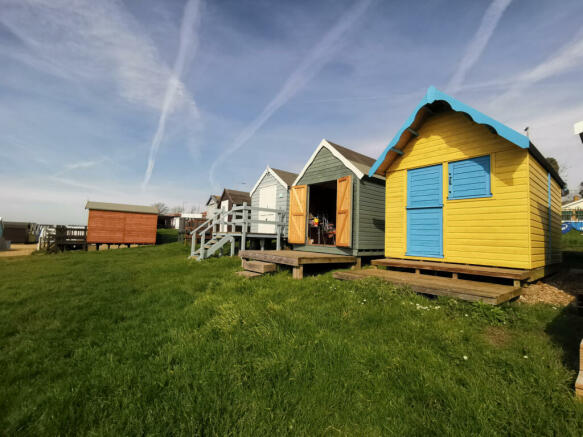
(188, 27)
(478, 43)
(308, 68)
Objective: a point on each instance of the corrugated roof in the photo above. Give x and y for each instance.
(425, 107)
(286, 176)
(121, 207)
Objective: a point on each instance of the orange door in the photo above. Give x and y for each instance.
(344, 211)
(297, 214)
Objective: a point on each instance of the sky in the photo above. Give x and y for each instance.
(170, 101)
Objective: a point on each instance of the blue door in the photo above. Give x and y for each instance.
(425, 212)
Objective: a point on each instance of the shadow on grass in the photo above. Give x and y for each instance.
(566, 331)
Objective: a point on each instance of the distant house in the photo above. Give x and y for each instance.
(115, 223)
(271, 191)
(573, 211)
(229, 199)
(578, 129)
(19, 232)
(335, 207)
(212, 204)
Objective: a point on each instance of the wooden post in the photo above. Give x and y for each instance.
(201, 252)
(516, 283)
(233, 246)
(358, 264)
(579, 382)
(192, 244)
(262, 244)
(454, 275)
(278, 229)
(244, 228)
(298, 272)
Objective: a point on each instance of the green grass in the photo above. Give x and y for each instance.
(143, 341)
(572, 240)
(164, 236)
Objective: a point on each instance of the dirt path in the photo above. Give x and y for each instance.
(18, 250)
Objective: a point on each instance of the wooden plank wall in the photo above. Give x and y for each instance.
(324, 168)
(282, 199)
(367, 217)
(545, 248)
(490, 231)
(121, 227)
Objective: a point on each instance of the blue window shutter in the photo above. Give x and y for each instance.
(469, 178)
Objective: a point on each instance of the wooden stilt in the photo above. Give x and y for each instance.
(516, 283)
(454, 276)
(262, 244)
(298, 272)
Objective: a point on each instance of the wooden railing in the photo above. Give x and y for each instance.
(237, 222)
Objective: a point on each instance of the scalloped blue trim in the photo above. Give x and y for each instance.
(432, 95)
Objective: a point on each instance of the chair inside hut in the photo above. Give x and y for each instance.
(322, 214)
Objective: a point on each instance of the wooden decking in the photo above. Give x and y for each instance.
(295, 259)
(493, 294)
(497, 272)
(517, 276)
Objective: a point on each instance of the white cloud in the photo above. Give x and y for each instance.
(91, 41)
(478, 43)
(308, 68)
(187, 46)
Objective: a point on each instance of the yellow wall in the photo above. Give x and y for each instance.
(543, 250)
(492, 231)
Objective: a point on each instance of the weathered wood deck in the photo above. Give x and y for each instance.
(493, 294)
(296, 259)
(516, 275)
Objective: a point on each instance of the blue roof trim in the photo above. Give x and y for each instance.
(432, 95)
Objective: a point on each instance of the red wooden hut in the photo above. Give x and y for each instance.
(116, 223)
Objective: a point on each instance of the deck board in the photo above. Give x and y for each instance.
(295, 258)
(467, 290)
(497, 272)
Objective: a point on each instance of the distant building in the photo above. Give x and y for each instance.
(573, 211)
(115, 223)
(578, 129)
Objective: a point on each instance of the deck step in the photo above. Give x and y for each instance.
(247, 274)
(258, 266)
(486, 292)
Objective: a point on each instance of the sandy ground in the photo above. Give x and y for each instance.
(18, 250)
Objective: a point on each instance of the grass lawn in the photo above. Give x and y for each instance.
(143, 341)
(572, 240)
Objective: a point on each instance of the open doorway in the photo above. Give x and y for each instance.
(322, 214)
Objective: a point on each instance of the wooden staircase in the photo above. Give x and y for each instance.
(212, 246)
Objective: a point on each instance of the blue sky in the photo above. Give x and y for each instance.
(147, 101)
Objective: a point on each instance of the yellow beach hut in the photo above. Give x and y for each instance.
(464, 188)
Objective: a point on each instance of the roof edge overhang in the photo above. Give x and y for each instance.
(325, 144)
(269, 170)
(434, 95)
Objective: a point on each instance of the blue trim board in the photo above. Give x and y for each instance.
(433, 95)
